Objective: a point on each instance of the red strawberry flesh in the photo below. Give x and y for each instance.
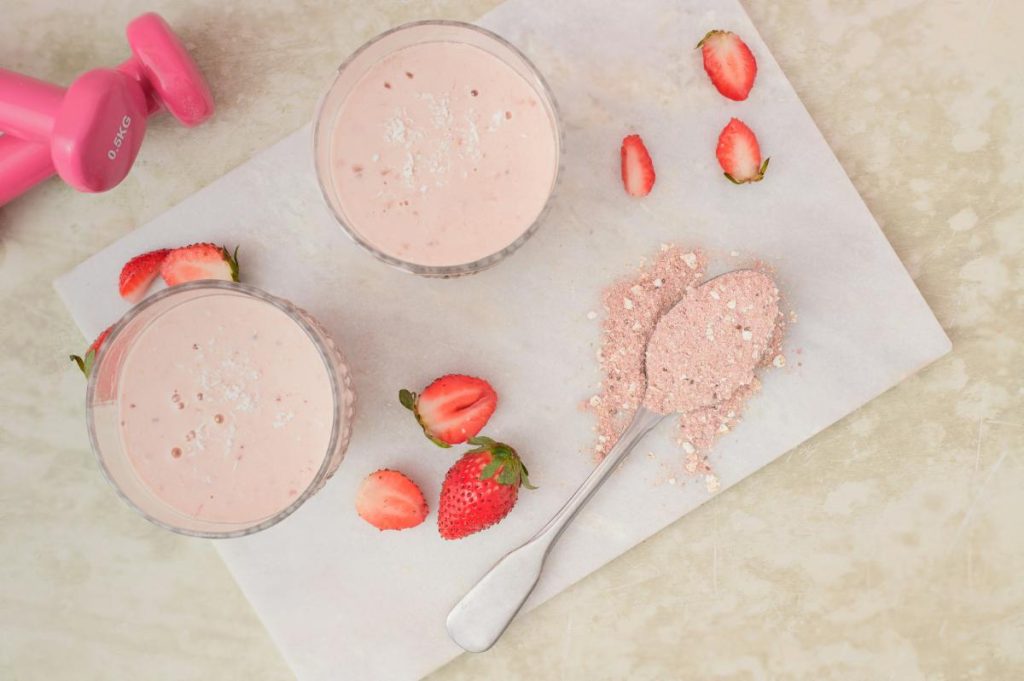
(389, 500)
(198, 262)
(637, 168)
(453, 408)
(739, 153)
(138, 274)
(729, 64)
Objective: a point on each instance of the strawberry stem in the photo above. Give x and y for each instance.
(436, 440)
(407, 398)
(490, 469)
(232, 261)
(505, 463)
(705, 38)
(85, 363)
(80, 362)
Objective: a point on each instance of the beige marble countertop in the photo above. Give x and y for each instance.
(888, 547)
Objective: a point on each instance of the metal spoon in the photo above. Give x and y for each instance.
(481, 617)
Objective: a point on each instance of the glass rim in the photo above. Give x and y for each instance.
(443, 271)
(254, 293)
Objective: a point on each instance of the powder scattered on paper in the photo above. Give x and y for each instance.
(725, 321)
(625, 331)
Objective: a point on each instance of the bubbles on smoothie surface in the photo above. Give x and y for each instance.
(177, 401)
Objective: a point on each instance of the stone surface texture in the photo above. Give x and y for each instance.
(890, 546)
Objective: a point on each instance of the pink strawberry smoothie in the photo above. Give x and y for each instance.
(226, 408)
(443, 154)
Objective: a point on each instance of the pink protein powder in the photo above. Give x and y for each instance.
(700, 360)
(708, 346)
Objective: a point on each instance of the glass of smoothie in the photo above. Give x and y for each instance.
(216, 409)
(437, 148)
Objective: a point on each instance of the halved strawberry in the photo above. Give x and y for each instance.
(637, 168)
(480, 489)
(729, 63)
(452, 409)
(86, 361)
(739, 154)
(139, 272)
(199, 261)
(389, 500)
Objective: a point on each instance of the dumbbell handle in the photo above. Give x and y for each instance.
(28, 106)
(23, 165)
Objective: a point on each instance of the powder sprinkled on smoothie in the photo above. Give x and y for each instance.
(455, 164)
(731, 323)
(263, 423)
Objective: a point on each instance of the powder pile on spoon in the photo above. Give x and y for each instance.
(704, 351)
(706, 328)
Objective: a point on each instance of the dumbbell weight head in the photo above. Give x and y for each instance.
(99, 129)
(168, 70)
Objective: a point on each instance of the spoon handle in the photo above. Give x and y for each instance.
(483, 614)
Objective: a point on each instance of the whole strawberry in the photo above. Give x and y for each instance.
(480, 489)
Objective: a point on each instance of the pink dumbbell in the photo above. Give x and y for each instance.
(90, 133)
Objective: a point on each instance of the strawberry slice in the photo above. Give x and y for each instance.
(86, 361)
(452, 409)
(199, 261)
(739, 154)
(389, 500)
(729, 64)
(139, 272)
(637, 168)
(480, 489)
